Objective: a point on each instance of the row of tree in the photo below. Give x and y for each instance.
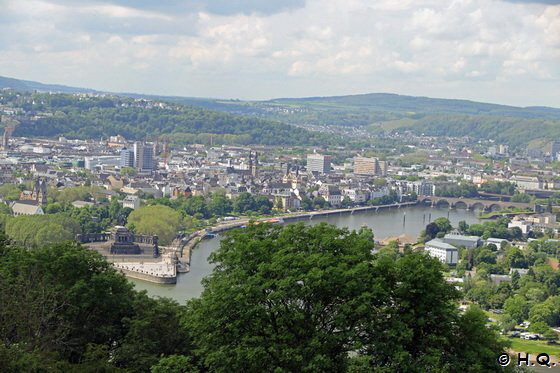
(217, 204)
(62, 222)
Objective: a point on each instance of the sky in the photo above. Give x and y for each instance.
(500, 51)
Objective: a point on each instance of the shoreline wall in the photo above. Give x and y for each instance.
(147, 277)
(191, 245)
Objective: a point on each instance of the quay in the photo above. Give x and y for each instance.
(164, 272)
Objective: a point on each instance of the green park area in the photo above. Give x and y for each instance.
(533, 347)
(504, 213)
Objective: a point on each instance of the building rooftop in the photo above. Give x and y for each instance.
(440, 245)
(461, 237)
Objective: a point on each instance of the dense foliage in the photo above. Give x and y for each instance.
(510, 130)
(315, 299)
(160, 220)
(217, 205)
(364, 109)
(281, 299)
(464, 189)
(62, 221)
(532, 297)
(37, 230)
(95, 117)
(64, 309)
(498, 187)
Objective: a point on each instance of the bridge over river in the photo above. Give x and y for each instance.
(472, 203)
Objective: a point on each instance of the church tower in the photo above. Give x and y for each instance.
(255, 165)
(250, 161)
(40, 192)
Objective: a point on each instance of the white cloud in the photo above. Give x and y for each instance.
(458, 48)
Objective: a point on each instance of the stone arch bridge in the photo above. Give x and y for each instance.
(472, 204)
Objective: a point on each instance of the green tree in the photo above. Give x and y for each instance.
(346, 202)
(196, 205)
(319, 202)
(517, 307)
(476, 344)
(300, 298)
(463, 226)
(58, 299)
(155, 330)
(506, 322)
(65, 309)
(521, 197)
(515, 277)
(128, 171)
(174, 364)
(160, 220)
(432, 229)
(443, 224)
(263, 205)
(307, 203)
(514, 258)
(244, 202)
(539, 327)
(219, 205)
(485, 256)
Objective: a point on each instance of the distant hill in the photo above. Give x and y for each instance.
(378, 112)
(386, 102)
(29, 86)
(63, 114)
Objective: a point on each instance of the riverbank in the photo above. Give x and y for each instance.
(194, 239)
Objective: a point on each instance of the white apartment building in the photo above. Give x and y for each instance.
(356, 195)
(445, 252)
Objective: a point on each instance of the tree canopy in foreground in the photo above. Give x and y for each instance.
(289, 298)
(316, 299)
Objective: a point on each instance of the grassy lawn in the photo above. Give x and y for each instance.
(491, 215)
(492, 315)
(533, 347)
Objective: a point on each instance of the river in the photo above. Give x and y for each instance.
(385, 223)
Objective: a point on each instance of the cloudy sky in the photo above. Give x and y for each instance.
(486, 50)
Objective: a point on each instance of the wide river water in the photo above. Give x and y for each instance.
(385, 223)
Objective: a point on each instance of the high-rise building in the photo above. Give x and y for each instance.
(381, 169)
(365, 166)
(554, 151)
(369, 166)
(318, 163)
(127, 158)
(143, 157)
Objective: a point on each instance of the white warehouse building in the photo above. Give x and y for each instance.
(445, 252)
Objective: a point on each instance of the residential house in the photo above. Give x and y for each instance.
(132, 202)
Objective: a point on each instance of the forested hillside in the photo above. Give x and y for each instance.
(509, 130)
(388, 112)
(243, 122)
(94, 117)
